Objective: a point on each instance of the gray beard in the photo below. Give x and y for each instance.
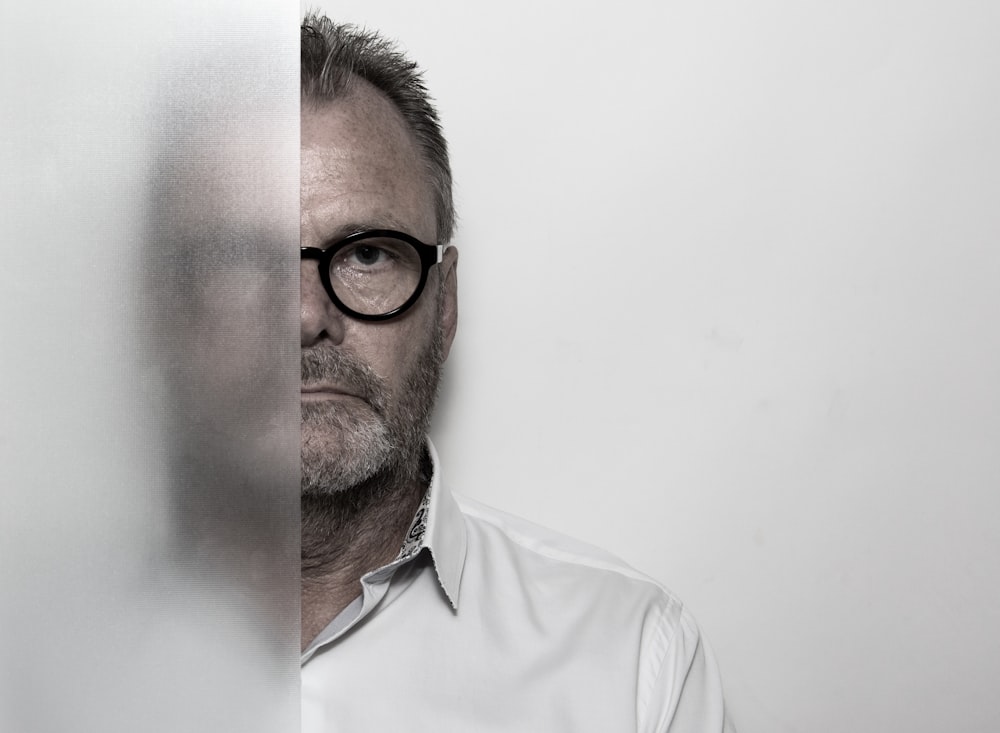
(381, 442)
(373, 473)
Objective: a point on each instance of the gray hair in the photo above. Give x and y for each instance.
(335, 56)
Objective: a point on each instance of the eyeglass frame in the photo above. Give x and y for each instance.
(429, 254)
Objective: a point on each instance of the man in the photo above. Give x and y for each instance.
(422, 612)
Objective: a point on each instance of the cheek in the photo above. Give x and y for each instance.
(393, 349)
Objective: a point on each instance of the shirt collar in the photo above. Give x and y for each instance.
(438, 526)
(446, 533)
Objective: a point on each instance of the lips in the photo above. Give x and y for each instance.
(320, 390)
(329, 374)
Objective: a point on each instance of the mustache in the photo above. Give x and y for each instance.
(332, 366)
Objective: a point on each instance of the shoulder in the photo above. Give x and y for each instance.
(535, 539)
(551, 564)
(602, 614)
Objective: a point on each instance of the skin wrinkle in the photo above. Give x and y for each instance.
(374, 435)
(323, 365)
(338, 61)
(362, 161)
(363, 472)
(335, 498)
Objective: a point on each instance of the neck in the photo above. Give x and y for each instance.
(348, 533)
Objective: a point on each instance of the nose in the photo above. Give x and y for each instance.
(321, 319)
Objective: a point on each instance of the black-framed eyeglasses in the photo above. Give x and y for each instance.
(377, 274)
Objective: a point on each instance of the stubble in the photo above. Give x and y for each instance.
(362, 458)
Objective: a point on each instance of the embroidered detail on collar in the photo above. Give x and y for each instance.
(413, 540)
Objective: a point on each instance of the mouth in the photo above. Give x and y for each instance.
(318, 392)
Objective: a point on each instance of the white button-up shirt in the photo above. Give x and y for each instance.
(485, 622)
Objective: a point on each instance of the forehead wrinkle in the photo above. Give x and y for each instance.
(360, 165)
(395, 147)
(342, 164)
(327, 168)
(348, 187)
(383, 122)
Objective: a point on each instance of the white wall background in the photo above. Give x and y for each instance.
(729, 287)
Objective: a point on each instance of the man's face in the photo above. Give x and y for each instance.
(367, 388)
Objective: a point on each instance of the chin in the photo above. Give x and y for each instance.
(334, 461)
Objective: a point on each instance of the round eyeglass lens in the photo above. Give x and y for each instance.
(375, 276)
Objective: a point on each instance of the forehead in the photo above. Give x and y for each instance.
(361, 168)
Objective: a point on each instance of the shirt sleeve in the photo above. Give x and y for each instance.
(683, 687)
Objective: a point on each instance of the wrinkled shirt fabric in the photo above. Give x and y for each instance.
(486, 622)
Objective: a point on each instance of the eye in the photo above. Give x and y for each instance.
(377, 257)
(369, 255)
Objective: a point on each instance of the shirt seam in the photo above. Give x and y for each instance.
(611, 565)
(665, 640)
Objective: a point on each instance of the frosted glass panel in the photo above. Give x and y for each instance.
(149, 422)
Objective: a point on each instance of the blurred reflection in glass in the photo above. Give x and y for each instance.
(149, 422)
